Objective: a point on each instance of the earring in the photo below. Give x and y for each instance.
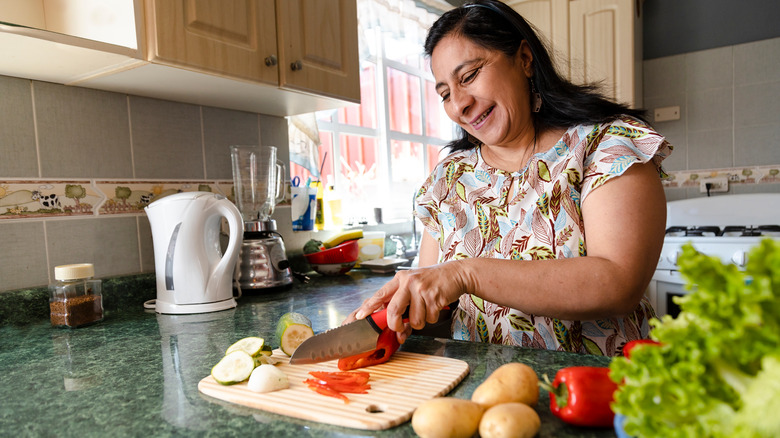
(537, 97)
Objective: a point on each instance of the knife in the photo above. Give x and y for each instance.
(344, 341)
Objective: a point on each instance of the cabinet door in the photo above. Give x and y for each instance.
(551, 19)
(231, 38)
(605, 46)
(318, 46)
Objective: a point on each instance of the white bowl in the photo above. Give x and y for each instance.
(333, 268)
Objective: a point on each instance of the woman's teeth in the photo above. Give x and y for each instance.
(476, 123)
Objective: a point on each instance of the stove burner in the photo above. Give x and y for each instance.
(750, 231)
(693, 231)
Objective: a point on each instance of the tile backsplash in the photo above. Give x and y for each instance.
(729, 116)
(77, 165)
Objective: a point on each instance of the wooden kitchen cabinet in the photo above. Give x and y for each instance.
(276, 57)
(596, 41)
(304, 45)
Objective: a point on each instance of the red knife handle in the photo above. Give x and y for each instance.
(378, 319)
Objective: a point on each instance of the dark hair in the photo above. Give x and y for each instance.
(495, 26)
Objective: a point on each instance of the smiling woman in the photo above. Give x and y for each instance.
(541, 164)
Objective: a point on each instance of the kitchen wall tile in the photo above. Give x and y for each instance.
(754, 188)
(146, 244)
(675, 194)
(167, 140)
(757, 145)
(674, 130)
(82, 133)
(221, 129)
(22, 255)
(111, 244)
(664, 76)
(757, 62)
(709, 69)
(709, 109)
(757, 104)
(273, 132)
(710, 149)
(17, 130)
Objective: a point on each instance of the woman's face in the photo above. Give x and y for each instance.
(484, 91)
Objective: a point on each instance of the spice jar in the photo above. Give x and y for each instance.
(75, 298)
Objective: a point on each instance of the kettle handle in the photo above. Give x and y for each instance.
(281, 171)
(229, 211)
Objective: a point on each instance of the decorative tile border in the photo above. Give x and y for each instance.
(24, 199)
(736, 175)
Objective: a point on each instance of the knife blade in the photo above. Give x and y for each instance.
(344, 341)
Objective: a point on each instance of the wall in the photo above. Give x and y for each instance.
(673, 27)
(51, 134)
(730, 116)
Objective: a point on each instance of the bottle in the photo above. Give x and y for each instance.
(319, 218)
(75, 298)
(333, 203)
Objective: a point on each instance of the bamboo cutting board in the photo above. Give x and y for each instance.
(397, 388)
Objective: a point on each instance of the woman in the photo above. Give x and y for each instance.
(546, 221)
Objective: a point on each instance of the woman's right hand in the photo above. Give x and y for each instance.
(425, 291)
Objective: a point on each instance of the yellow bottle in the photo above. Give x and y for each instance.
(319, 218)
(333, 203)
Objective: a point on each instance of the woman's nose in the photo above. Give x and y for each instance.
(461, 101)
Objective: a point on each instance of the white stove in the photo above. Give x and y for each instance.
(724, 226)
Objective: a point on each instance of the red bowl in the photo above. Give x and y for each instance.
(346, 252)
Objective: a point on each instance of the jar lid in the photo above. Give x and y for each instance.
(74, 272)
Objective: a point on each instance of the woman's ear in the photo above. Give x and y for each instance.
(525, 58)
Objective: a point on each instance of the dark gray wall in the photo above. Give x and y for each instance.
(672, 27)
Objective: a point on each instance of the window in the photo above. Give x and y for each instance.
(378, 154)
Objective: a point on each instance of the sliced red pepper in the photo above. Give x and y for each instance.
(633, 344)
(356, 377)
(340, 387)
(325, 390)
(582, 396)
(386, 345)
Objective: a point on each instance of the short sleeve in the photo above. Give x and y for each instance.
(426, 204)
(612, 148)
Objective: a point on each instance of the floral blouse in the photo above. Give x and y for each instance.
(474, 210)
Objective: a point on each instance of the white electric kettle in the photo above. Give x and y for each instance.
(193, 276)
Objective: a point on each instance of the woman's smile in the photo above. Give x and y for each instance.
(479, 121)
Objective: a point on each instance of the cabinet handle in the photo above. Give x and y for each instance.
(270, 61)
(296, 66)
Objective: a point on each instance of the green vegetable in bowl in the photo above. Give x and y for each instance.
(716, 372)
(312, 246)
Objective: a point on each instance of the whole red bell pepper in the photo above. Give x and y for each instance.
(582, 396)
(386, 345)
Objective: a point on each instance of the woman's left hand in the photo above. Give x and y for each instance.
(425, 291)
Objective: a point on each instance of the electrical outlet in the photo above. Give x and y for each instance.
(716, 185)
(733, 177)
(666, 114)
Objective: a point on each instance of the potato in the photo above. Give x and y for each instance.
(446, 417)
(512, 382)
(509, 420)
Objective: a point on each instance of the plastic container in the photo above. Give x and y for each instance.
(75, 299)
(372, 246)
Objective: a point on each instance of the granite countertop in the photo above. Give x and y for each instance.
(136, 372)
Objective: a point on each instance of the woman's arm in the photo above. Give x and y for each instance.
(624, 223)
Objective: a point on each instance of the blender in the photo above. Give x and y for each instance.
(257, 185)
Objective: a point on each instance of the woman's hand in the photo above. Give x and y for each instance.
(425, 291)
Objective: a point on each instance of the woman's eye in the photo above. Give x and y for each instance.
(445, 96)
(470, 76)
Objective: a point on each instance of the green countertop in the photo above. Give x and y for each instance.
(136, 372)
